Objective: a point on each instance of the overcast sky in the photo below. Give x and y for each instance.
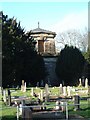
(54, 16)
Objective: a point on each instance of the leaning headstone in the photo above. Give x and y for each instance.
(61, 89)
(9, 97)
(64, 91)
(47, 92)
(86, 83)
(76, 102)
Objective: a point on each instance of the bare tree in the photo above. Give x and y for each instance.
(73, 37)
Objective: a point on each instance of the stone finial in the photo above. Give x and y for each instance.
(38, 24)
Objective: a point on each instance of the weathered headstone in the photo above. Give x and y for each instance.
(63, 105)
(9, 97)
(64, 91)
(22, 86)
(26, 112)
(47, 92)
(80, 82)
(57, 105)
(69, 91)
(32, 92)
(4, 96)
(76, 102)
(61, 89)
(86, 83)
(41, 95)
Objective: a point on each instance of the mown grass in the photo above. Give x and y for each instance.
(10, 113)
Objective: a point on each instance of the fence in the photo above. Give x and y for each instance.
(35, 106)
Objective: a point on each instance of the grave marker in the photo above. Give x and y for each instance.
(86, 83)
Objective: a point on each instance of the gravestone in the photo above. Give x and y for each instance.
(63, 105)
(57, 107)
(47, 93)
(68, 91)
(23, 86)
(4, 96)
(41, 95)
(76, 102)
(9, 97)
(61, 89)
(26, 112)
(86, 83)
(80, 82)
(32, 92)
(64, 91)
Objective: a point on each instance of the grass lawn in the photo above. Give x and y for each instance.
(10, 113)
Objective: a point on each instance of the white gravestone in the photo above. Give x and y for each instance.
(86, 83)
(32, 92)
(61, 89)
(64, 91)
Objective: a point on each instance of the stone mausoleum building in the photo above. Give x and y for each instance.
(45, 45)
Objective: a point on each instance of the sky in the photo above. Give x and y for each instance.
(54, 16)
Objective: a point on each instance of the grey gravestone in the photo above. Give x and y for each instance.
(4, 96)
(69, 91)
(26, 112)
(61, 89)
(47, 92)
(63, 105)
(32, 92)
(76, 102)
(23, 86)
(9, 97)
(64, 91)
